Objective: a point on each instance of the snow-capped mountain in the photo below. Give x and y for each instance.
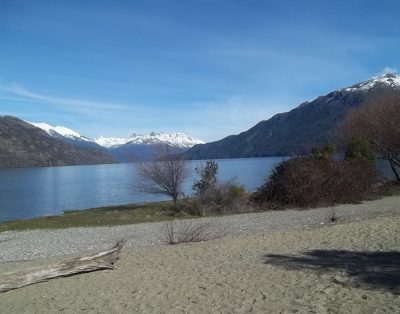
(388, 80)
(145, 147)
(132, 148)
(67, 135)
(24, 145)
(109, 142)
(177, 139)
(56, 131)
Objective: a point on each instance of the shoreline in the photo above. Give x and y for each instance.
(45, 243)
(134, 213)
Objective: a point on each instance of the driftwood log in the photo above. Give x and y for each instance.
(28, 276)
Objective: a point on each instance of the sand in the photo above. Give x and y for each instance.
(348, 267)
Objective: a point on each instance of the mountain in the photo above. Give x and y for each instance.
(172, 139)
(24, 145)
(309, 125)
(144, 147)
(123, 149)
(68, 136)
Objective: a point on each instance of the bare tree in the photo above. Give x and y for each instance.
(165, 175)
(378, 122)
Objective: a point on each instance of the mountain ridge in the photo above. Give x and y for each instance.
(178, 139)
(133, 148)
(24, 145)
(297, 131)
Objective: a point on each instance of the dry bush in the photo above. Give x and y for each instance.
(220, 198)
(311, 182)
(189, 231)
(215, 197)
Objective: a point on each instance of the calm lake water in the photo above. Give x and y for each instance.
(34, 192)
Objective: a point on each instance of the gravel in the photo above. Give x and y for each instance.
(35, 244)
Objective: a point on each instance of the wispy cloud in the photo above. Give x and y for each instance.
(20, 91)
(388, 70)
(215, 120)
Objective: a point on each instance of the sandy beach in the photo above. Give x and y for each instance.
(352, 266)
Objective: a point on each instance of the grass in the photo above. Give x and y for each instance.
(105, 216)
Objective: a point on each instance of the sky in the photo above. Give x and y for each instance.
(209, 68)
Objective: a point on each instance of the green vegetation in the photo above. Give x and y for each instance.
(217, 197)
(326, 152)
(117, 215)
(359, 148)
(208, 177)
(105, 216)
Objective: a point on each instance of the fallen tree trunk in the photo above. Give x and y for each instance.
(28, 276)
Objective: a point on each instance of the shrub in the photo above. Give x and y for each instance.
(310, 182)
(326, 152)
(223, 197)
(189, 231)
(359, 148)
(208, 177)
(227, 196)
(216, 197)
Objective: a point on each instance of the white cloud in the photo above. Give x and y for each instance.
(387, 70)
(18, 90)
(216, 120)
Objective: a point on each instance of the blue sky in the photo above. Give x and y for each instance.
(209, 68)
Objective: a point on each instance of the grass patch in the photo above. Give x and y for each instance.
(104, 216)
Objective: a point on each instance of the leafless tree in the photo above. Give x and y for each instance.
(379, 122)
(165, 175)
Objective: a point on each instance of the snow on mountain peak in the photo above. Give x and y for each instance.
(59, 130)
(108, 142)
(176, 139)
(389, 79)
(44, 126)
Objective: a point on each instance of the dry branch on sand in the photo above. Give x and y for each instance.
(28, 276)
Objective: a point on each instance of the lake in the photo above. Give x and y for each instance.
(35, 192)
